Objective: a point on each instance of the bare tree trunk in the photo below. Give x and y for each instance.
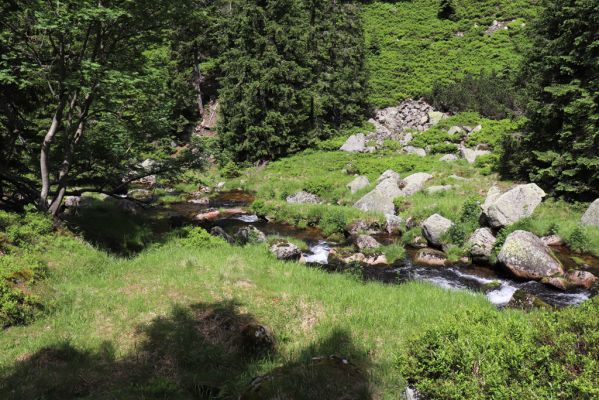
(197, 82)
(44, 164)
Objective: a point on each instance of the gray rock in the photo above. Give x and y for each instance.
(389, 174)
(591, 215)
(434, 227)
(436, 189)
(527, 257)
(434, 117)
(355, 144)
(481, 244)
(449, 157)
(477, 128)
(392, 223)
(553, 240)
(431, 257)
(303, 197)
(471, 155)
(414, 150)
(504, 209)
(359, 183)
(381, 198)
(284, 250)
(220, 232)
(455, 129)
(365, 242)
(250, 234)
(415, 183)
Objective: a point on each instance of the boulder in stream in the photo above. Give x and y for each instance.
(434, 227)
(285, 250)
(527, 257)
(430, 257)
(503, 209)
(250, 234)
(583, 279)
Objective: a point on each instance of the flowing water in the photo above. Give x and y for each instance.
(475, 278)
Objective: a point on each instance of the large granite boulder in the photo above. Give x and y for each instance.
(381, 198)
(434, 227)
(481, 244)
(359, 183)
(503, 209)
(415, 183)
(389, 174)
(285, 250)
(471, 155)
(355, 144)
(527, 257)
(591, 215)
(303, 197)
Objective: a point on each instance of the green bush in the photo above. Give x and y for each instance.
(16, 307)
(579, 239)
(490, 355)
(333, 221)
(199, 238)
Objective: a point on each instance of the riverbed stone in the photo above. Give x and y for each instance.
(434, 227)
(355, 144)
(591, 215)
(481, 244)
(366, 242)
(503, 209)
(527, 257)
(250, 234)
(558, 282)
(285, 250)
(303, 197)
(430, 257)
(208, 216)
(359, 183)
(583, 279)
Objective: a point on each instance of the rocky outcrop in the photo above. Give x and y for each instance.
(527, 257)
(430, 257)
(481, 244)
(410, 114)
(591, 215)
(303, 197)
(434, 227)
(355, 144)
(504, 209)
(365, 242)
(286, 251)
(359, 183)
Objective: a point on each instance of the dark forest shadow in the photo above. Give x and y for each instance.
(206, 351)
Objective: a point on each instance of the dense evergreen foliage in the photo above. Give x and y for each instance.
(561, 148)
(290, 70)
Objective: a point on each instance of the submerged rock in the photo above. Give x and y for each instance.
(434, 227)
(430, 257)
(527, 257)
(591, 215)
(285, 251)
(359, 183)
(505, 209)
(481, 244)
(303, 197)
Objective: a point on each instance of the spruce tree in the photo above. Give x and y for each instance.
(264, 94)
(560, 150)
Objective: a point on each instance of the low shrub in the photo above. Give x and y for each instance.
(199, 238)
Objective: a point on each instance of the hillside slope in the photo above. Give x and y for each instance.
(410, 47)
